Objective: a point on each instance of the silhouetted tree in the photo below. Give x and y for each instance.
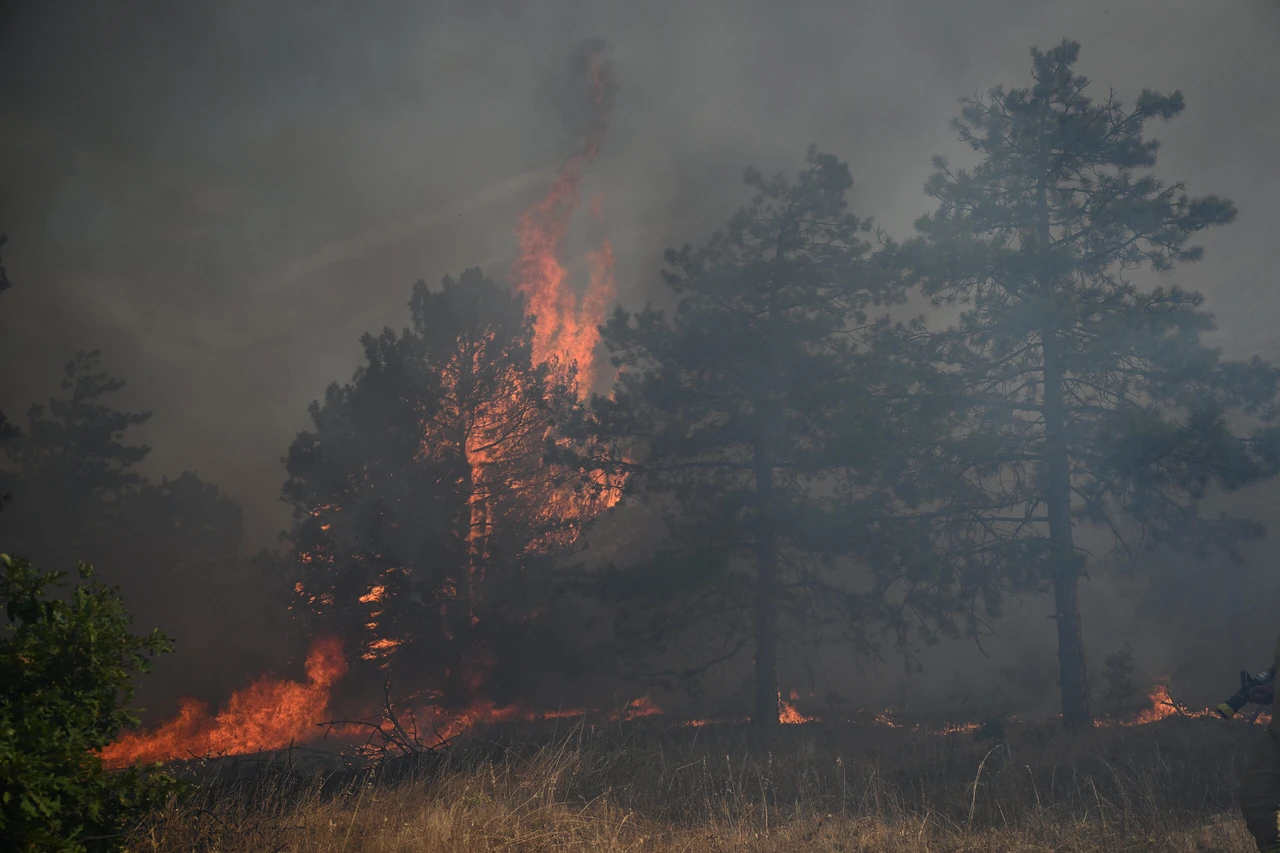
(425, 511)
(1092, 399)
(72, 461)
(772, 419)
(173, 546)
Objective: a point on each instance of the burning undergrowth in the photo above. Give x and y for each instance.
(273, 714)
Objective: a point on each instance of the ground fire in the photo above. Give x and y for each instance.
(272, 714)
(268, 714)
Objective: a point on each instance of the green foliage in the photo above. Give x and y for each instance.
(172, 545)
(67, 665)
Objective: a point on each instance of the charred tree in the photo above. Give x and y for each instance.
(1090, 397)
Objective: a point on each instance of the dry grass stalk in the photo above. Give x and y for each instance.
(1168, 786)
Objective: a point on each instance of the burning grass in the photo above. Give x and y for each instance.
(825, 787)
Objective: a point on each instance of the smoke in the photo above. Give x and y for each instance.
(223, 197)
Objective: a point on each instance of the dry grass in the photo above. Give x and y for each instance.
(1168, 786)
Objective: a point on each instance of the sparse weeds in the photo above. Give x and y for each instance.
(1167, 786)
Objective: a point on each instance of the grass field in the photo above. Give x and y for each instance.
(1170, 785)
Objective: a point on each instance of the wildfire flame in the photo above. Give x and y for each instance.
(269, 714)
(1162, 707)
(566, 326)
(272, 714)
(788, 715)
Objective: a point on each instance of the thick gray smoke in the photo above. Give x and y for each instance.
(224, 196)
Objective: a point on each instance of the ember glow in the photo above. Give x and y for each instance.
(269, 714)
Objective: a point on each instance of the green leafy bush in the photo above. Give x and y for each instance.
(66, 667)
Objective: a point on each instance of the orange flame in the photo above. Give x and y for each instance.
(642, 707)
(1162, 707)
(788, 715)
(566, 326)
(268, 714)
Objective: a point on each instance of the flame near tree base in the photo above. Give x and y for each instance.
(273, 714)
(269, 714)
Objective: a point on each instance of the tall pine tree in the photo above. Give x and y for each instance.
(758, 415)
(1092, 399)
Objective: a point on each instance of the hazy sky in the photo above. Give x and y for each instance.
(223, 196)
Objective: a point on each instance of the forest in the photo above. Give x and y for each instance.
(568, 570)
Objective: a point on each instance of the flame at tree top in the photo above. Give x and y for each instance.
(566, 325)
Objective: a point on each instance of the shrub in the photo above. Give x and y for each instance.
(66, 667)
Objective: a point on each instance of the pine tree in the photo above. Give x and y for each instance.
(766, 416)
(1093, 400)
(173, 546)
(426, 514)
(73, 462)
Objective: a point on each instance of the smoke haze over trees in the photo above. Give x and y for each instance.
(223, 200)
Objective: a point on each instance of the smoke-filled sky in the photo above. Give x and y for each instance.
(223, 196)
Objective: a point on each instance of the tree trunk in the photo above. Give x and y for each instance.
(766, 710)
(1066, 573)
(460, 609)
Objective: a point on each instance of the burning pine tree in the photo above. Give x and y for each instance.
(427, 516)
